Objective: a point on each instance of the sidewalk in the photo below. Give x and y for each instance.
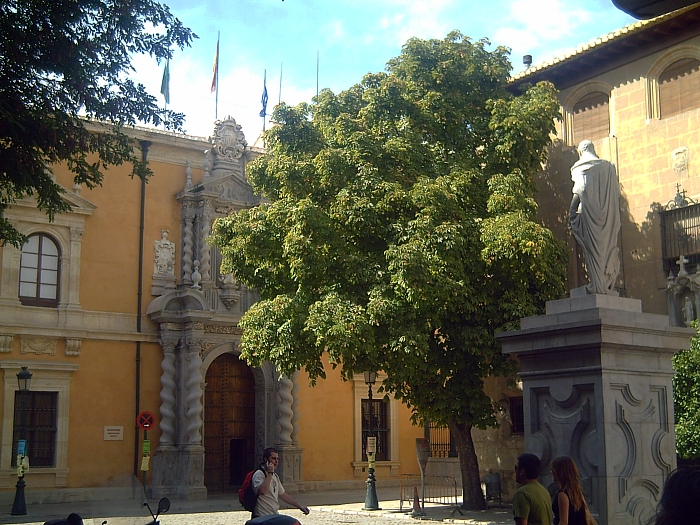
(326, 507)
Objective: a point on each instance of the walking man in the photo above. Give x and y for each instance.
(532, 504)
(267, 485)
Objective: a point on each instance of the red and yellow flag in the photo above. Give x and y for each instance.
(215, 69)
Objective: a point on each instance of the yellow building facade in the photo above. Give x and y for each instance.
(69, 300)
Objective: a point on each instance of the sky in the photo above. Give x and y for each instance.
(343, 40)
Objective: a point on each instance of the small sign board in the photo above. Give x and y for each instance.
(113, 433)
(21, 447)
(371, 444)
(422, 452)
(146, 447)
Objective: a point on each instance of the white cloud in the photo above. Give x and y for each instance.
(335, 31)
(538, 28)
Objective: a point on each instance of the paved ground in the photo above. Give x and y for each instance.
(326, 508)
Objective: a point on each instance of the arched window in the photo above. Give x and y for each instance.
(679, 87)
(39, 271)
(591, 117)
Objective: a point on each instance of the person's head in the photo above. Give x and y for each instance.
(527, 468)
(271, 454)
(564, 471)
(566, 475)
(586, 146)
(679, 499)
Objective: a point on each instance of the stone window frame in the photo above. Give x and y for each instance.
(656, 70)
(66, 230)
(360, 390)
(37, 280)
(46, 377)
(574, 97)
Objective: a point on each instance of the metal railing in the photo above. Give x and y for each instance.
(438, 489)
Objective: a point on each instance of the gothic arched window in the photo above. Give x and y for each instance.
(591, 117)
(679, 87)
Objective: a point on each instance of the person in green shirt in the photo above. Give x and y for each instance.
(532, 504)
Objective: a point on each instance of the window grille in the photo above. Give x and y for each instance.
(40, 413)
(517, 415)
(380, 428)
(680, 235)
(442, 445)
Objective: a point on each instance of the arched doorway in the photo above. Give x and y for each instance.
(229, 423)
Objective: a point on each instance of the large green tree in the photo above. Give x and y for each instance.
(400, 232)
(64, 63)
(686, 399)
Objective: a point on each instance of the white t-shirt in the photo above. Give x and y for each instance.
(267, 503)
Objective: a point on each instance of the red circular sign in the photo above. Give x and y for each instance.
(145, 420)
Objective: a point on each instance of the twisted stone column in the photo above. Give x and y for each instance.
(193, 402)
(187, 251)
(284, 411)
(167, 392)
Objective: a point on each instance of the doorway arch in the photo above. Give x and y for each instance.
(229, 423)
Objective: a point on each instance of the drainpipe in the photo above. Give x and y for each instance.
(144, 157)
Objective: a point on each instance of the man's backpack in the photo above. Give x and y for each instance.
(246, 494)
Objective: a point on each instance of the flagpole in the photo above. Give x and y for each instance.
(215, 78)
(317, 61)
(279, 100)
(263, 113)
(216, 109)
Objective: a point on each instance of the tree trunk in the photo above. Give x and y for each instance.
(473, 497)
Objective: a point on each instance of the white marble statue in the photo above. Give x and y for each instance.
(594, 217)
(164, 252)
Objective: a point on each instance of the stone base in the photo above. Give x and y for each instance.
(289, 469)
(179, 474)
(596, 375)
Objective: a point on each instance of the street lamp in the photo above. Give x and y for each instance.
(24, 380)
(371, 502)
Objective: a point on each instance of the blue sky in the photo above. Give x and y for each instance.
(351, 37)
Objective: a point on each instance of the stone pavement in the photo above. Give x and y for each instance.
(327, 507)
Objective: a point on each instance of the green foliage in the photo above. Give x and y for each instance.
(686, 399)
(400, 232)
(67, 59)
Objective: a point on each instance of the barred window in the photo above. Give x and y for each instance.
(517, 415)
(40, 413)
(379, 428)
(591, 117)
(679, 87)
(39, 271)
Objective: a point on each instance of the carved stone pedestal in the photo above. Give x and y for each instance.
(289, 470)
(178, 473)
(596, 375)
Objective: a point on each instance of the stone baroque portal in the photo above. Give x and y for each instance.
(198, 321)
(596, 375)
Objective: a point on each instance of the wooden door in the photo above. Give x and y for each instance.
(229, 423)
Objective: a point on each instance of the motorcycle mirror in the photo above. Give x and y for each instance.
(163, 505)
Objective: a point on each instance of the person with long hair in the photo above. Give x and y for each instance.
(569, 505)
(679, 500)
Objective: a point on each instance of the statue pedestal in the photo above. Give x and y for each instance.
(289, 469)
(178, 473)
(596, 376)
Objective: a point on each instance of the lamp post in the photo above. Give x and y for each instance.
(371, 502)
(19, 507)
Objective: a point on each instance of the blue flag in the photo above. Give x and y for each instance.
(263, 112)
